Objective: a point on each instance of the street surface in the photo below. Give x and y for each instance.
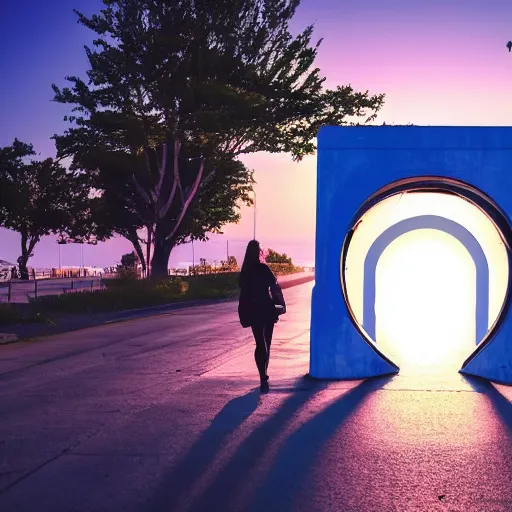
(163, 414)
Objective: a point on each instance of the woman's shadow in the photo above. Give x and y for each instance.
(198, 460)
(288, 471)
(202, 453)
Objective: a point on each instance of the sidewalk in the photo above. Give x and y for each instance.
(295, 279)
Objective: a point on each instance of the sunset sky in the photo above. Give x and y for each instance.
(440, 62)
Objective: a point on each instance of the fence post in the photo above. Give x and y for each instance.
(35, 288)
(9, 291)
(72, 284)
(92, 285)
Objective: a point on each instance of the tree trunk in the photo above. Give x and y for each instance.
(140, 254)
(138, 250)
(23, 269)
(161, 252)
(148, 247)
(23, 259)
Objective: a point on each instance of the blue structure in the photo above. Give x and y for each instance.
(360, 166)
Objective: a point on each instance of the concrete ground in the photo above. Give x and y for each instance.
(163, 414)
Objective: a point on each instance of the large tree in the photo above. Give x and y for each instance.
(119, 209)
(187, 86)
(37, 197)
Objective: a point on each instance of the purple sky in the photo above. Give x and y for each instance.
(439, 62)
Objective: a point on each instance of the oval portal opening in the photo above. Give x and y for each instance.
(425, 272)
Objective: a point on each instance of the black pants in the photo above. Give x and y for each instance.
(263, 336)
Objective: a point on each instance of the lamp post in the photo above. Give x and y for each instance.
(60, 241)
(254, 230)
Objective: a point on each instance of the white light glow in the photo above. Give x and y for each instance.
(425, 303)
(426, 280)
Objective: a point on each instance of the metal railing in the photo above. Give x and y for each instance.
(6, 275)
(23, 291)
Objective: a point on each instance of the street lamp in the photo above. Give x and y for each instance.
(60, 241)
(254, 233)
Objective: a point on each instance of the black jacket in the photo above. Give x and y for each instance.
(259, 294)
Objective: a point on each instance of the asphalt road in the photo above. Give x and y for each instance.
(163, 414)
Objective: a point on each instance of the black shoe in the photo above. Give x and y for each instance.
(264, 388)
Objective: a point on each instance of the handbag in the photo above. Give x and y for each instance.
(278, 298)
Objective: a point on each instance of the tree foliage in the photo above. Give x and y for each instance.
(274, 257)
(129, 260)
(127, 269)
(177, 90)
(37, 197)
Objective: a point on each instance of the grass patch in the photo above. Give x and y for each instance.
(12, 315)
(124, 294)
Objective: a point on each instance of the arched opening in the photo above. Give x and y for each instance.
(425, 275)
(437, 223)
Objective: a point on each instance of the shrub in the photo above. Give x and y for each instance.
(123, 294)
(10, 314)
(274, 257)
(124, 273)
(283, 269)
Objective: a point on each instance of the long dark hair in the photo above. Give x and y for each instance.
(251, 260)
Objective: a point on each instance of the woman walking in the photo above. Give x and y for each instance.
(261, 302)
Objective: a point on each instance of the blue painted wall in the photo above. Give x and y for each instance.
(355, 163)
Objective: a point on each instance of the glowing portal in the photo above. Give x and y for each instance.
(431, 254)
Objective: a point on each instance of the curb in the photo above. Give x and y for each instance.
(296, 282)
(130, 314)
(7, 338)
